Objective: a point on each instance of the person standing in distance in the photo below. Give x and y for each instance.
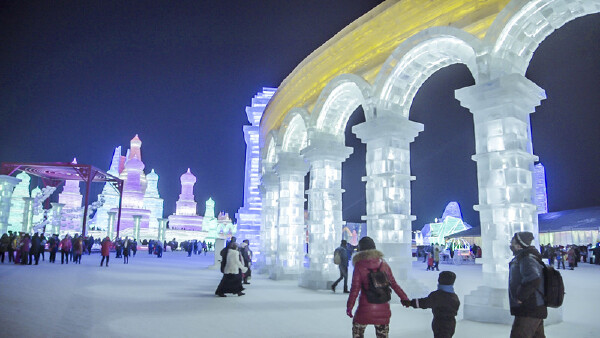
(342, 253)
(526, 288)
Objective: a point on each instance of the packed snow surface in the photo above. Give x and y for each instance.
(173, 296)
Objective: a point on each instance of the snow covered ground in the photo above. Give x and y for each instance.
(174, 296)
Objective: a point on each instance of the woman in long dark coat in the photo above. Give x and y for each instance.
(232, 273)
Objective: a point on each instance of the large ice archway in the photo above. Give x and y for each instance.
(415, 60)
(292, 133)
(337, 101)
(524, 24)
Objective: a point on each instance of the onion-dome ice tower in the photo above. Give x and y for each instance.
(186, 217)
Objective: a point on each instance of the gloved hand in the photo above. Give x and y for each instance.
(349, 313)
(405, 303)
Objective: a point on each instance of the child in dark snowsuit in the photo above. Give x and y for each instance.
(443, 303)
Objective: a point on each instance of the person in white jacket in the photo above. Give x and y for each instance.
(232, 273)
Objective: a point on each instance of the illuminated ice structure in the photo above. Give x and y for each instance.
(140, 196)
(72, 214)
(248, 217)
(451, 223)
(17, 203)
(379, 63)
(186, 216)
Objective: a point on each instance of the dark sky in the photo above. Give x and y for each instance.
(80, 78)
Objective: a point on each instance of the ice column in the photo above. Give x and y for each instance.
(111, 223)
(136, 226)
(7, 185)
(56, 217)
(27, 214)
(269, 215)
(291, 170)
(325, 156)
(162, 228)
(504, 159)
(388, 139)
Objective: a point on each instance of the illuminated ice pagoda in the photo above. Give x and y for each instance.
(450, 223)
(72, 212)
(141, 204)
(248, 217)
(186, 216)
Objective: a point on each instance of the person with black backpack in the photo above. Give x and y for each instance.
(340, 258)
(374, 281)
(526, 288)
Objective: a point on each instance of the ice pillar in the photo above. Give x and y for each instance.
(111, 223)
(7, 185)
(291, 235)
(162, 229)
(325, 156)
(27, 214)
(505, 160)
(56, 216)
(389, 221)
(269, 189)
(136, 226)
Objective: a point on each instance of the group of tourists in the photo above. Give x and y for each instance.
(373, 282)
(194, 246)
(571, 254)
(236, 261)
(21, 248)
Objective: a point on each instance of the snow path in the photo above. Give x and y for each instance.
(174, 296)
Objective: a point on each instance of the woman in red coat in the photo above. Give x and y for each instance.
(106, 243)
(367, 313)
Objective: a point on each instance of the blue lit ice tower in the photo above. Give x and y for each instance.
(248, 217)
(541, 197)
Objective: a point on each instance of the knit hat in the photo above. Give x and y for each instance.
(366, 243)
(446, 278)
(524, 238)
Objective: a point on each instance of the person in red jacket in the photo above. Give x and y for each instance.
(65, 247)
(106, 243)
(368, 257)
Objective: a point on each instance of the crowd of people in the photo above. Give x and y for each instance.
(21, 248)
(571, 254)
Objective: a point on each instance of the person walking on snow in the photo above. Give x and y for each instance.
(444, 304)
(340, 257)
(105, 250)
(526, 288)
(369, 258)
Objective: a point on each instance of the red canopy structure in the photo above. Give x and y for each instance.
(56, 173)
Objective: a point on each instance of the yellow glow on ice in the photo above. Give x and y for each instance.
(363, 46)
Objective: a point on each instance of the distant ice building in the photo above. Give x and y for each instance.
(140, 194)
(450, 223)
(72, 199)
(186, 216)
(248, 217)
(17, 204)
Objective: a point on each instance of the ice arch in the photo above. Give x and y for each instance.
(524, 24)
(270, 155)
(293, 131)
(416, 59)
(337, 101)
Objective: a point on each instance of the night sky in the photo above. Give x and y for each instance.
(80, 78)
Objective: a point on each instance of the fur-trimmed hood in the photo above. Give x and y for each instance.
(367, 254)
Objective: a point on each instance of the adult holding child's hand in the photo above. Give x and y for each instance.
(372, 279)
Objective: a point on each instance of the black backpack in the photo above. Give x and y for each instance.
(554, 288)
(379, 290)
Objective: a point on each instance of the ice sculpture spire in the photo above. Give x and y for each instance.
(248, 217)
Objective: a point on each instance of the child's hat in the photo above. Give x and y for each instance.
(446, 278)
